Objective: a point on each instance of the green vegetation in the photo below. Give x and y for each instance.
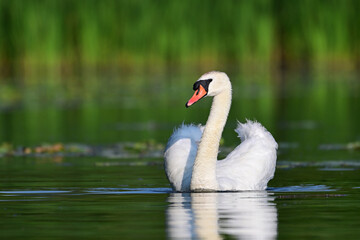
(53, 38)
(86, 70)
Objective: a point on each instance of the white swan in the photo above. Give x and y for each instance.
(191, 154)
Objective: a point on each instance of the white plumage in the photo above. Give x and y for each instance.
(248, 167)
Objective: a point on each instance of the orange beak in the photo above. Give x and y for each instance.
(199, 93)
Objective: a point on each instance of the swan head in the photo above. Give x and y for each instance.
(209, 84)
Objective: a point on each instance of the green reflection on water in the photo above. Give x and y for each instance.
(308, 110)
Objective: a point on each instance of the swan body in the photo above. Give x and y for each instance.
(191, 153)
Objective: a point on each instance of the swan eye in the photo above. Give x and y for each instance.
(204, 83)
(196, 85)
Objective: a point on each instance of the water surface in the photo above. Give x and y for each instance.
(115, 186)
(78, 198)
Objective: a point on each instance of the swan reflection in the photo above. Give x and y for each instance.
(242, 215)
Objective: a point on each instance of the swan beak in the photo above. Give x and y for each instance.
(199, 94)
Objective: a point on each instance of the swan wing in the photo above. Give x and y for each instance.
(251, 164)
(180, 154)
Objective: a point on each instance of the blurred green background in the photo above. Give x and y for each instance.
(64, 37)
(91, 90)
(107, 71)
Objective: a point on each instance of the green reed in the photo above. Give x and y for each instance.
(57, 37)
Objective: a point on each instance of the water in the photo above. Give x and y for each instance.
(115, 185)
(51, 198)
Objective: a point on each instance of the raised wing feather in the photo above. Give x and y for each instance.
(251, 164)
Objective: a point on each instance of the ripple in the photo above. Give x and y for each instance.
(37, 195)
(302, 188)
(129, 191)
(336, 169)
(343, 165)
(16, 192)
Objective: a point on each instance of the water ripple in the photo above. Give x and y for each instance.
(302, 188)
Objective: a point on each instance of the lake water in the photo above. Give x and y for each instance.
(85, 198)
(118, 188)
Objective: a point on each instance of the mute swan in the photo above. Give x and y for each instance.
(191, 153)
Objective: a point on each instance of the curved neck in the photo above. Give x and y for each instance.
(204, 170)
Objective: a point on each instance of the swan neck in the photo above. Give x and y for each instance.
(204, 170)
